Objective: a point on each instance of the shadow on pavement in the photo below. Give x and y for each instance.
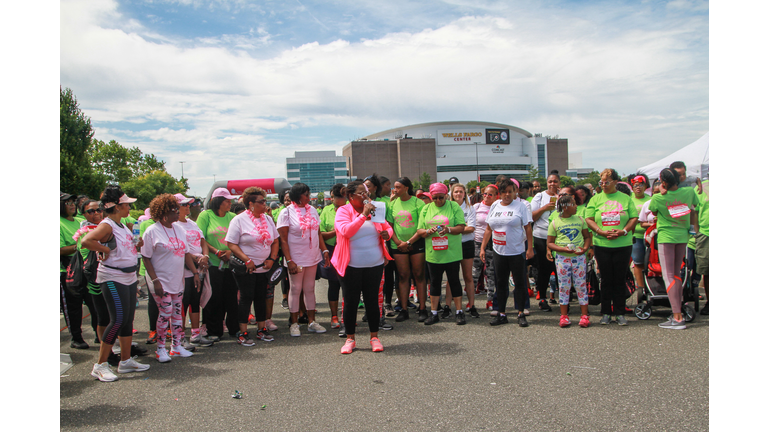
(97, 415)
(424, 349)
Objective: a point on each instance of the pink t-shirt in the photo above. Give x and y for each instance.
(242, 233)
(481, 212)
(193, 235)
(165, 248)
(305, 251)
(124, 255)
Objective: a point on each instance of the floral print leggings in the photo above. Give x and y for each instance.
(572, 271)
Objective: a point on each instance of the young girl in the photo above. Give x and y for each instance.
(569, 237)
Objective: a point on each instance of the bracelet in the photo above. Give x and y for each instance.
(326, 251)
(249, 261)
(287, 261)
(155, 279)
(408, 242)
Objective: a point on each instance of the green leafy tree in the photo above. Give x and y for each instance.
(148, 186)
(566, 181)
(76, 176)
(423, 182)
(120, 164)
(320, 198)
(471, 186)
(593, 178)
(533, 174)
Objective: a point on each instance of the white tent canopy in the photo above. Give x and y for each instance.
(695, 156)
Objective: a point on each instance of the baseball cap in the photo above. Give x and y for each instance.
(222, 192)
(182, 199)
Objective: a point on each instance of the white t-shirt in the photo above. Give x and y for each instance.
(242, 233)
(645, 214)
(365, 247)
(122, 256)
(470, 219)
(542, 223)
(193, 235)
(165, 249)
(508, 225)
(481, 212)
(304, 251)
(528, 206)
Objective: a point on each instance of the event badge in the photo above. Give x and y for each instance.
(439, 243)
(500, 238)
(678, 210)
(612, 218)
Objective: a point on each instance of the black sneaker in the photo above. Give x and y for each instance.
(303, 319)
(285, 304)
(433, 318)
(402, 316)
(138, 351)
(113, 359)
(552, 301)
(544, 306)
(446, 312)
(499, 320)
(342, 331)
(521, 321)
(96, 341)
(473, 312)
(705, 309)
(384, 325)
(423, 315)
(365, 317)
(388, 311)
(78, 344)
(460, 320)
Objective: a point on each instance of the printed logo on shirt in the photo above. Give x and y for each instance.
(497, 214)
(220, 233)
(193, 237)
(438, 220)
(128, 245)
(611, 213)
(571, 233)
(175, 245)
(404, 219)
(678, 209)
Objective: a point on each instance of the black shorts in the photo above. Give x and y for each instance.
(418, 247)
(468, 250)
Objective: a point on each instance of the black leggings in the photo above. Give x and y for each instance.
(223, 302)
(121, 303)
(367, 281)
(152, 311)
(102, 313)
(503, 266)
(390, 281)
(253, 291)
(191, 298)
(614, 265)
(545, 267)
(72, 305)
(451, 273)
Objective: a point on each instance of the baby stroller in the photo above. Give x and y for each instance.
(655, 292)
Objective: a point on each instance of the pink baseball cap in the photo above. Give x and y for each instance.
(222, 192)
(182, 199)
(424, 194)
(125, 199)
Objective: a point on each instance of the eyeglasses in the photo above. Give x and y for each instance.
(69, 203)
(438, 198)
(184, 204)
(174, 210)
(603, 183)
(92, 211)
(260, 201)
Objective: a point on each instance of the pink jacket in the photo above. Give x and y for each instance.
(348, 221)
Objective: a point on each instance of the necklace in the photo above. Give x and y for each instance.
(260, 230)
(306, 222)
(176, 246)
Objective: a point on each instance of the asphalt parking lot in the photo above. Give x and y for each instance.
(472, 377)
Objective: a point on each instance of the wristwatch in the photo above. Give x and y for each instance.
(625, 232)
(408, 242)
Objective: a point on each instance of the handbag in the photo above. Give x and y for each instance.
(593, 284)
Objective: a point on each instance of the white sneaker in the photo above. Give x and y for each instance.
(162, 355)
(201, 340)
(131, 365)
(295, 329)
(180, 351)
(314, 327)
(271, 325)
(103, 372)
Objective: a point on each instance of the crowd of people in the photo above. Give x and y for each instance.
(376, 238)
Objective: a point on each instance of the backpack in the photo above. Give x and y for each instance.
(74, 281)
(90, 266)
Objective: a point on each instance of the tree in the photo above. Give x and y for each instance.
(565, 181)
(76, 176)
(593, 178)
(472, 185)
(423, 182)
(533, 174)
(120, 164)
(320, 198)
(148, 186)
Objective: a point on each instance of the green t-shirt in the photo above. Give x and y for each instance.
(143, 227)
(67, 229)
(529, 199)
(327, 222)
(673, 214)
(449, 247)
(79, 217)
(567, 231)
(611, 211)
(703, 210)
(404, 218)
(639, 231)
(128, 220)
(214, 230)
(276, 212)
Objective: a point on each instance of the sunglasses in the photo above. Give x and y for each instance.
(92, 211)
(436, 198)
(174, 210)
(260, 201)
(69, 203)
(184, 204)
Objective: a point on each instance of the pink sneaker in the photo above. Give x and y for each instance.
(376, 345)
(584, 321)
(348, 347)
(564, 321)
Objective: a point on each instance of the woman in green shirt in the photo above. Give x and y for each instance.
(214, 223)
(612, 217)
(675, 210)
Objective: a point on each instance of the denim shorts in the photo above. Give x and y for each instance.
(638, 251)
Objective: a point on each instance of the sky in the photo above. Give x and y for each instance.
(232, 88)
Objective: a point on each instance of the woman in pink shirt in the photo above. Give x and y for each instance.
(359, 258)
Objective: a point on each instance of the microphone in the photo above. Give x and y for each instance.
(373, 212)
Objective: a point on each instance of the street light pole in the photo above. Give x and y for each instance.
(182, 168)
(477, 164)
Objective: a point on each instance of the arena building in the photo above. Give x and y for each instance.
(468, 150)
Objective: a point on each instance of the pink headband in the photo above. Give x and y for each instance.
(438, 188)
(517, 185)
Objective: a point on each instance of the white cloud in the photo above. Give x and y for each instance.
(612, 81)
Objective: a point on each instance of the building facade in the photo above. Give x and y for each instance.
(467, 150)
(319, 170)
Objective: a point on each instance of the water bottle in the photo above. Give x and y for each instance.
(136, 234)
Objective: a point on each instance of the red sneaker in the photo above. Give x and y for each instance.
(564, 321)
(376, 345)
(488, 305)
(538, 295)
(152, 337)
(584, 321)
(348, 347)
